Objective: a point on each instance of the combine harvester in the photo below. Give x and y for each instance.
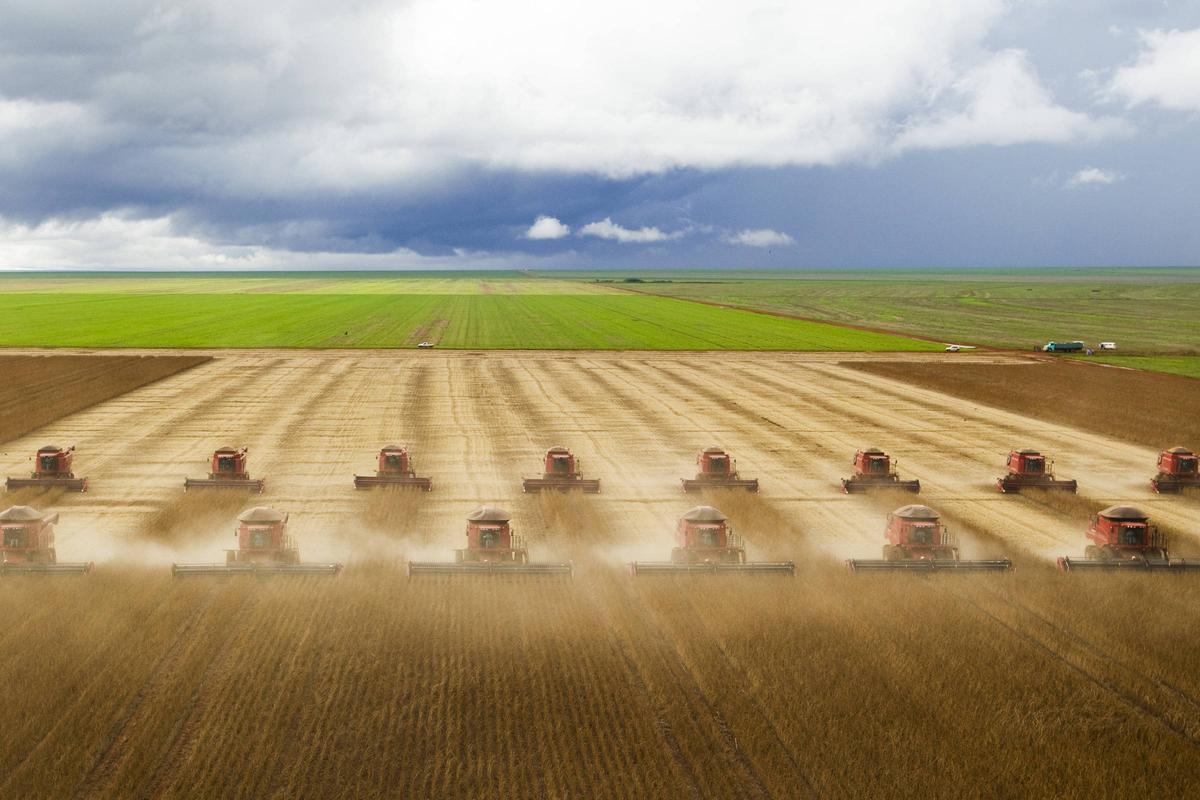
(492, 549)
(27, 544)
(873, 469)
(1177, 470)
(264, 548)
(1027, 469)
(228, 471)
(917, 541)
(53, 469)
(395, 469)
(1123, 539)
(717, 470)
(561, 473)
(705, 543)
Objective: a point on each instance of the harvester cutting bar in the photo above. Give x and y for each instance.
(859, 486)
(1068, 564)
(224, 483)
(928, 565)
(369, 481)
(697, 485)
(1011, 483)
(490, 568)
(70, 484)
(1167, 485)
(587, 486)
(81, 568)
(640, 568)
(257, 570)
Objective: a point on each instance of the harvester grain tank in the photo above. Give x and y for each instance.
(1029, 469)
(1177, 470)
(561, 472)
(1122, 538)
(918, 541)
(394, 469)
(227, 471)
(493, 548)
(264, 548)
(27, 544)
(874, 469)
(716, 469)
(706, 543)
(52, 468)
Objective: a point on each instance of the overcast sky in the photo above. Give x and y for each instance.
(625, 133)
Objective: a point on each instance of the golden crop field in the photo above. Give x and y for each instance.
(129, 683)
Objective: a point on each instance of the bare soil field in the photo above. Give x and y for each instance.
(376, 685)
(40, 389)
(1149, 408)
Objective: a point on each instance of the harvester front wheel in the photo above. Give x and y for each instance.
(1092, 553)
(892, 553)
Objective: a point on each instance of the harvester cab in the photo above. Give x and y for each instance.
(228, 471)
(394, 469)
(716, 469)
(52, 468)
(264, 548)
(918, 541)
(562, 472)
(1178, 468)
(1029, 469)
(27, 544)
(1122, 538)
(874, 469)
(705, 543)
(493, 548)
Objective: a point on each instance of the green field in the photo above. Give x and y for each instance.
(1147, 312)
(493, 312)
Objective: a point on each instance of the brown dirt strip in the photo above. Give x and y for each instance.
(40, 389)
(1148, 408)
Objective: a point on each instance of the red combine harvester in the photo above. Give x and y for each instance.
(264, 548)
(1123, 538)
(717, 470)
(705, 543)
(1177, 469)
(228, 471)
(492, 549)
(27, 544)
(1028, 469)
(917, 541)
(873, 469)
(53, 468)
(561, 473)
(395, 469)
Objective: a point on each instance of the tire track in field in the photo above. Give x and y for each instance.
(1054, 652)
(182, 739)
(104, 766)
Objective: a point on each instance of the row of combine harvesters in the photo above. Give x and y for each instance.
(1121, 537)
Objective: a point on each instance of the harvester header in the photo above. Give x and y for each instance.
(917, 541)
(874, 469)
(264, 548)
(394, 469)
(227, 471)
(1029, 469)
(706, 543)
(52, 468)
(1122, 538)
(1178, 469)
(493, 548)
(716, 469)
(561, 473)
(27, 544)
